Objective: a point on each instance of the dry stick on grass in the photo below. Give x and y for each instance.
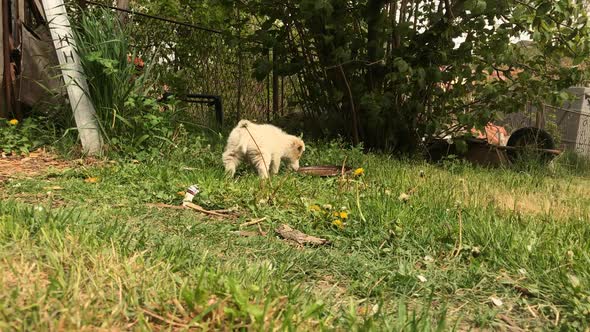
(460, 243)
(200, 209)
(342, 179)
(253, 222)
(185, 205)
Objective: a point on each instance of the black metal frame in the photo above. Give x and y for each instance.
(199, 98)
(211, 100)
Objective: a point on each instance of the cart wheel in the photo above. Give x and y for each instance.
(527, 139)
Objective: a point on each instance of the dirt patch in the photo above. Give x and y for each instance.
(40, 199)
(35, 164)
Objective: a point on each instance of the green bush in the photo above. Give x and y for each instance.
(133, 122)
(21, 137)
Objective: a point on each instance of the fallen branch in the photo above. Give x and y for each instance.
(459, 244)
(230, 210)
(186, 205)
(288, 233)
(202, 210)
(253, 222)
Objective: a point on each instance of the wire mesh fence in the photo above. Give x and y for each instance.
(186, 59)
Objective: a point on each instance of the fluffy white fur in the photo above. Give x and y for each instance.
(265, 152)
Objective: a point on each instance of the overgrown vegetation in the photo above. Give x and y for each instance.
(385, 73)
(392, 72)
(124, 93)
(415, 246)
(19, 138)
(82, 254)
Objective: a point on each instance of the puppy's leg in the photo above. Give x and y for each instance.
(262, 163)
(275, 164)
(231, 160)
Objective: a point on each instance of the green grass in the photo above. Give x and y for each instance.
(78, 255)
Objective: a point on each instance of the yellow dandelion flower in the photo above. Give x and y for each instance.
(181, 193)
(344, 215)
(315, 207)
(336, 214)
(359, 171)
(13, 122)
(338, 223)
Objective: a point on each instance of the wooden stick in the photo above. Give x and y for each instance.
(200, 209)
(253, 222)
(224, 210)
(459, 246)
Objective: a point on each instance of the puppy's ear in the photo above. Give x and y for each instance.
(298, 144)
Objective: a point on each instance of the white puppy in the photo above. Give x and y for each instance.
(265, 152)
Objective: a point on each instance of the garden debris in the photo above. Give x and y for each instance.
(288, 233)
(186, 205)
(190, 193)
(36, 163)
(253, 222)
(202, 210)
(496, 301)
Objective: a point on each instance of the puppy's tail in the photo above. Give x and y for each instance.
(243, 123)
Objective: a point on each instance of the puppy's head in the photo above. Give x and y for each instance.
(296, 149)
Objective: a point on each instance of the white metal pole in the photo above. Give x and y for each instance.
(74, 78)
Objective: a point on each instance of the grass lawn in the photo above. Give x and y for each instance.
(81, 248)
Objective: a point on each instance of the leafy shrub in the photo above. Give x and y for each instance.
(133, 122)
(21, 137)
(394, 75)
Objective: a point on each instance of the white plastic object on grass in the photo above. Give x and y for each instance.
(191, 192)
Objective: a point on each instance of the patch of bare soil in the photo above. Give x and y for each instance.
(35, 164)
